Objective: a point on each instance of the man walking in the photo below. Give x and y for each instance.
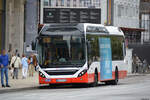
(4, 61)
(16, 62)
(134, 63)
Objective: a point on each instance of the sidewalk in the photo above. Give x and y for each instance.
(29, 82)
(138, 74)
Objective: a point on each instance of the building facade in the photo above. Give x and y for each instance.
(125, 13)
(1, 10)
(14, 37)
(2, 24)
(31, 24)
(145, 20)
(71, 3)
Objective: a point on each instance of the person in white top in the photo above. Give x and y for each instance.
(24, 62)
(15, 63)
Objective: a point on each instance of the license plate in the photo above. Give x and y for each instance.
(47, 80)
(61, 80)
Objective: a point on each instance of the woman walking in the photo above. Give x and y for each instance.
(24, 62)
(31, 66)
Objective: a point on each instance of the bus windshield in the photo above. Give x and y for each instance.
(61, 51)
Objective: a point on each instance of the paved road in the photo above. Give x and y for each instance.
(131, 88)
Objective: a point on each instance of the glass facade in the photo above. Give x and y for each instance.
(62, 2)
(46, 2)
(145, 20)
(71, 3)
(68, 3)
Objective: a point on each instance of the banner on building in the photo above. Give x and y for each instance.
(71, 15)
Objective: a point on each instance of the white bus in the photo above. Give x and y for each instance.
(80, 53)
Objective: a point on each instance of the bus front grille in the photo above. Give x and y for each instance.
(61, 72)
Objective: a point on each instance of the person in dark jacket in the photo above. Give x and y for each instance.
(4, 61)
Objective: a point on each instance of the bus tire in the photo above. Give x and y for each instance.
(108, 82)
(95, 83)
(115, 82)
(52, 85)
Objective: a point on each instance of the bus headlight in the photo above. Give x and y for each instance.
(82, 73)
(41, 75)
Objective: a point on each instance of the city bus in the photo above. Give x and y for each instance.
(80, 53)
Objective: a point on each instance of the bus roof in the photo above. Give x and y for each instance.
(114, 30)
(110, 30)
(80, 26)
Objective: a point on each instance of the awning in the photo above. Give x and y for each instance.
(132, 29)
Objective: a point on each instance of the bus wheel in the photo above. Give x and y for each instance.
(95, 83)
(52, 85)
(115, 82)
(108, 82)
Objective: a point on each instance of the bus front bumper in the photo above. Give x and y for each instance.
(82, 79)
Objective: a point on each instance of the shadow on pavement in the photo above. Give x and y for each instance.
(70, 86)
(56, 86)
(17, 90)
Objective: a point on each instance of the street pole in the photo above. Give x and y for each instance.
(110, 12)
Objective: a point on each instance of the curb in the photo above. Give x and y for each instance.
(17, 89)
(134, 75)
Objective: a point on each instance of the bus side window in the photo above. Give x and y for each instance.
(93, 49)
(117, 48)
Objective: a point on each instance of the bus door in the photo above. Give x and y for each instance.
(105, 58)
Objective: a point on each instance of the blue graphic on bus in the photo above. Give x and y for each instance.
(105, 58)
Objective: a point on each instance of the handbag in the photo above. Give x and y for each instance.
(14, 63)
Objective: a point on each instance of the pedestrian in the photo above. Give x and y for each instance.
(16, 52)
(4, 61)
(145, 66)
(24, 62)
(35, 62)
(10, 57)
(18, 55)
(15, 64)
(139, 65)
(134, 64)
(31, 66)
(148, 67)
